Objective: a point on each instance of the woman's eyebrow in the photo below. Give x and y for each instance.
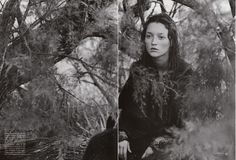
(159, 33)
(149, 33)
(153, 33)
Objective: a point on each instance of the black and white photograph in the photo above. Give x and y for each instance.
(117, 79)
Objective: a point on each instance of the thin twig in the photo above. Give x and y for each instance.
(98, 85)
(140, 7)
(26, 13)
(3, 59)
(1, 6)
(173, 9)
(36, 22)
(27, 46)
(80, 126)
(152, 11)
(106, 81)
(68, 92)
(89, 6)
(81, 61)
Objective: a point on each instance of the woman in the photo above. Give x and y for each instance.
(151, 98)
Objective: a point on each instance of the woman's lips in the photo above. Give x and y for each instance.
(154, 49)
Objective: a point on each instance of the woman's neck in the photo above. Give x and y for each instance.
(162, 62)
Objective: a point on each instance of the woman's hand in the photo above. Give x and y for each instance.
(147, 152)
(124, 147)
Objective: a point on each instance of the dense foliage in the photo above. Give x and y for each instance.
(60, 109)
(35, 97)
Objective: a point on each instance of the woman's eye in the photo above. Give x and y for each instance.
(161, 37)
(148, 36)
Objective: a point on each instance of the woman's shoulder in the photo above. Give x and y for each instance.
(137, 68)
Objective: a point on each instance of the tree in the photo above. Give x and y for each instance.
(37, 37)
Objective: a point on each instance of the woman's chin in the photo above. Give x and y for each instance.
(155, 54)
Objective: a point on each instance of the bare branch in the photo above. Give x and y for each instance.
(163, 10)
(38, 21)
(152, 11)
(141, 11)
(1, 6)
(81, 127)
(27, 46)
(3, 59)
(189, 3)
(7, 21)
(22, 25)
(66, 91)
(87, 81)
(174, 9)
(106, 81)
(96, 83)
(26, 12)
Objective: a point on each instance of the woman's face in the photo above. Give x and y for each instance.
(156, 40)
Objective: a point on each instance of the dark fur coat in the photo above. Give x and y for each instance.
(150, 103)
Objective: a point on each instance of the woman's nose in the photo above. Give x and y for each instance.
(154, 40)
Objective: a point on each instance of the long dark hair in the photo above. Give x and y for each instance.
(172, 35)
